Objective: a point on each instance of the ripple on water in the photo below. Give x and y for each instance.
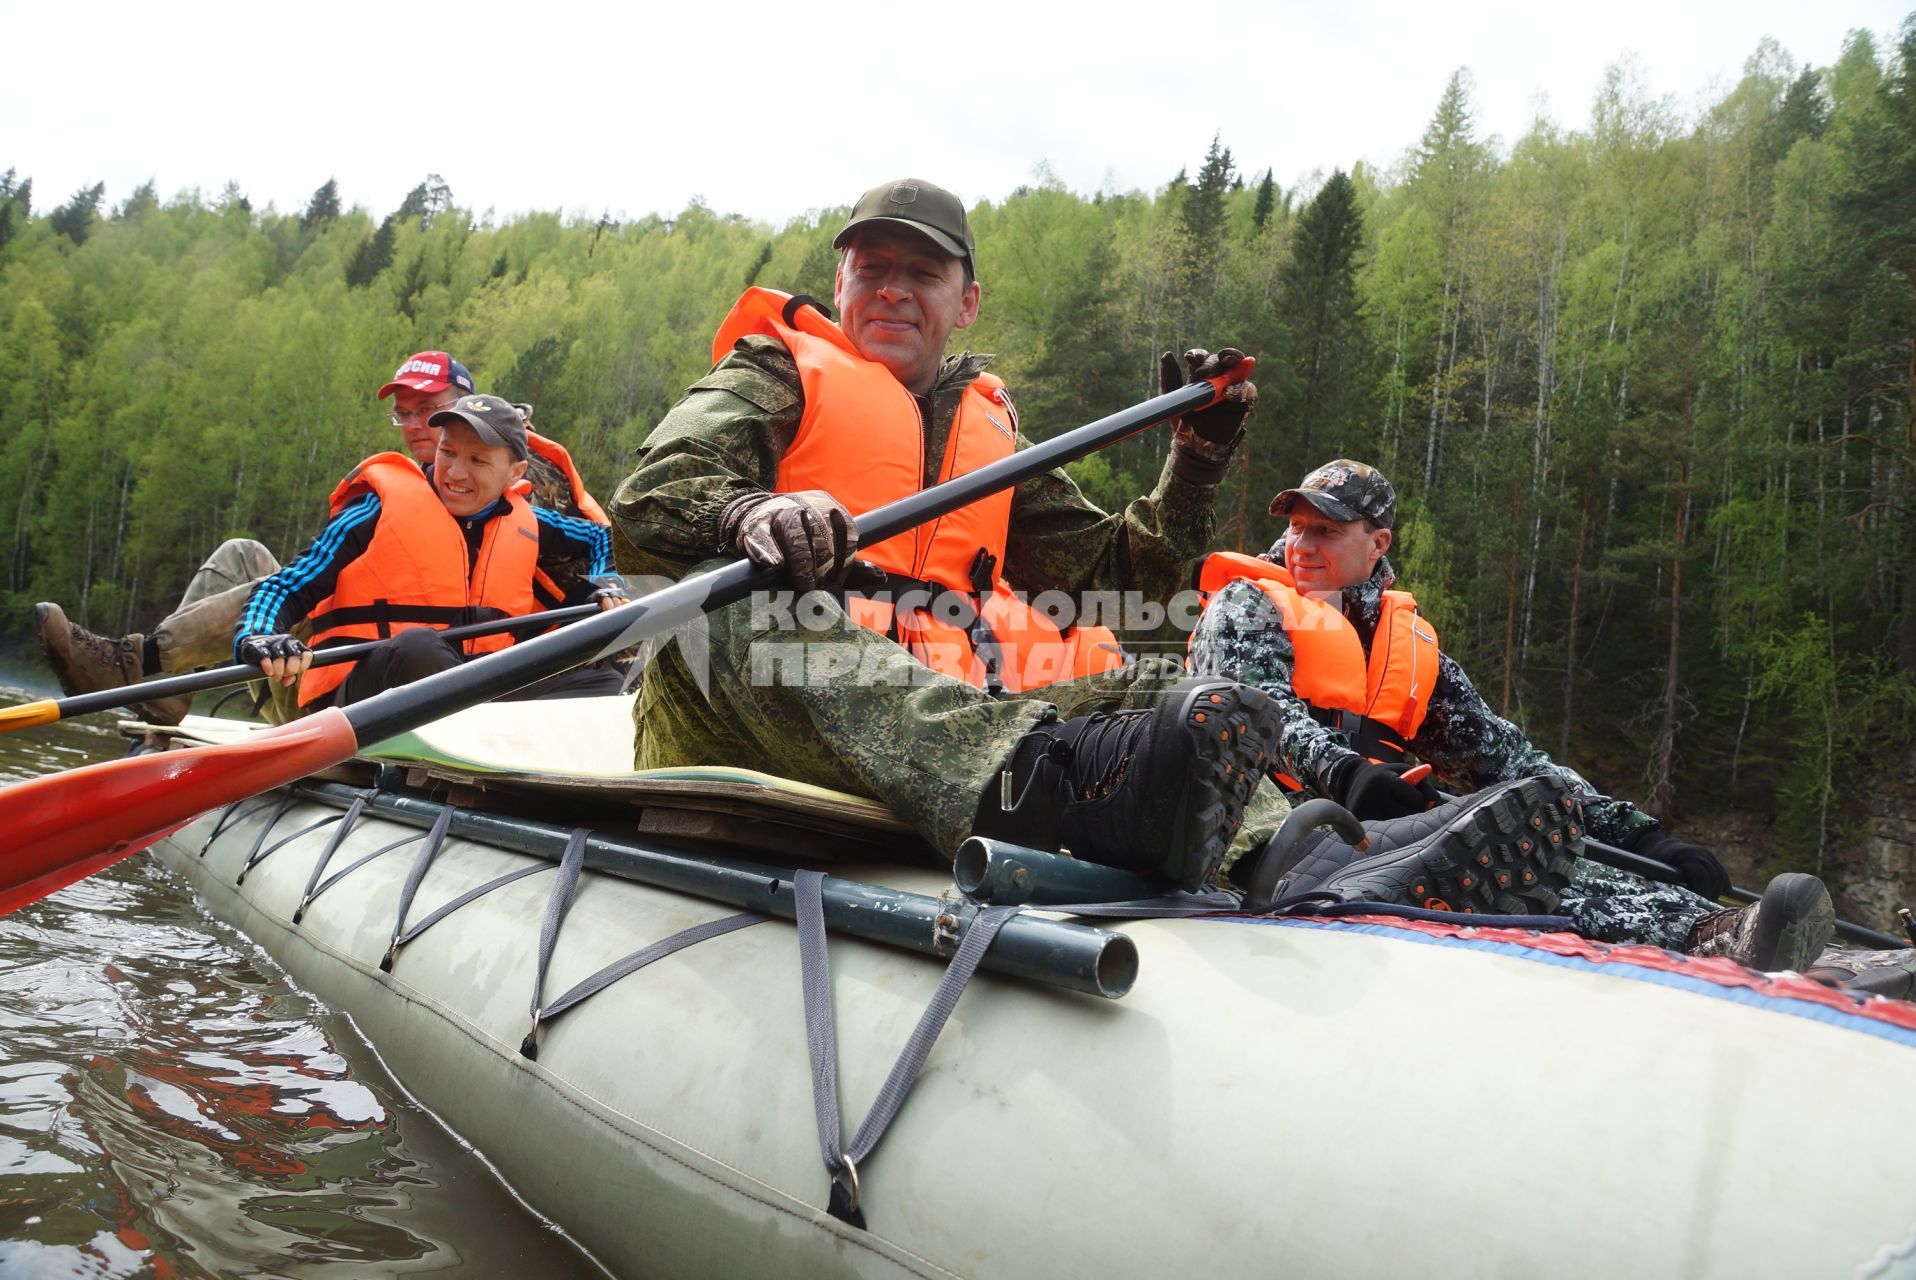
(170, 1106)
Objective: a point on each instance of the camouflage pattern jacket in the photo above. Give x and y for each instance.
(726, 437)
(1467, 745)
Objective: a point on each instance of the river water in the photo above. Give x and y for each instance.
(171, 1106)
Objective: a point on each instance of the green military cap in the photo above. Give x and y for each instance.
(925, 207)
(1344, 490)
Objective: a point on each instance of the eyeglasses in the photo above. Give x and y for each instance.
(400, 417)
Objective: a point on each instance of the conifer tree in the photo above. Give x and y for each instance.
(1266, 201)
(74, 219)
(322, 208)
(144, 200)
(374, 255)
(1325, 340)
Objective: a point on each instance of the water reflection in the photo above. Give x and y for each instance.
(171, 1107)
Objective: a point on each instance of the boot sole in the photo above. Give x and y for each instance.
(61, 673)
(1511, 855)
(1233, 731)
(1794, 924)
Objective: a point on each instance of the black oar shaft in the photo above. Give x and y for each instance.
(240, 673)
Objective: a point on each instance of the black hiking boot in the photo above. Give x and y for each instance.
(86, 663)
(1787, 929)
(1505, 851)
(1158, 790)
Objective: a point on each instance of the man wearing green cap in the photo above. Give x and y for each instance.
(803, 422)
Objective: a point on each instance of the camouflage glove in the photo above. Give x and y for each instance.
(1372, 791)
(1203, 442)
(809, 535)
(1697, 865)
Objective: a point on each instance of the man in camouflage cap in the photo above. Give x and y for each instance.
(1103, 764)
(1339, 523)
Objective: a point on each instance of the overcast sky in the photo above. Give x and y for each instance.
(773, 109)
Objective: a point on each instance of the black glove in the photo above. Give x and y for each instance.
(1203, 442)
(1697, 865)
(1426, 785)
(810, 535)
(1372, 791)
(608, 591)
(280, 656)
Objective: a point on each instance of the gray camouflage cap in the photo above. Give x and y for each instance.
(1344, 490)
(495, 421)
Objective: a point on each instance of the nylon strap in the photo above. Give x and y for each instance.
(285, 798)
(1223, 904)
(381, 851)
(420, 865)
(558, 904)
(646, 955)
(233, 816)
(346, 823)
(821, 1037)
(470, 895)
(260, 855)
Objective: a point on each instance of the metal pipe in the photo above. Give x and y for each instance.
(1005, 874)
(1057, 953)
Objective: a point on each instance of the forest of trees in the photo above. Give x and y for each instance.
(1647, 388)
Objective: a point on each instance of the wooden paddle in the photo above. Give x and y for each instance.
(63, 826)
(29, 715)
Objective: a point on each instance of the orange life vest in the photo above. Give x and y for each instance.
(862, 440)
(415, 571)
(1380, 700)
(555, 453)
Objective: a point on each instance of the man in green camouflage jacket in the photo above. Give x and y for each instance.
(942, 753)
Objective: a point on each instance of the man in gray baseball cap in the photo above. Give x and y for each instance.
(495, 420)
(408, 554)
(1319, 623)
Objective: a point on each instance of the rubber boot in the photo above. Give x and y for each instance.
(1788, 929)
(87, 663)
(1158, 790)
(1508, 850)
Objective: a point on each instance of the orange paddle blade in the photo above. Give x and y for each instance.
(63, 826)
(29, 715)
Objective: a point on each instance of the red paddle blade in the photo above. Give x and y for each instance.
(61, 827)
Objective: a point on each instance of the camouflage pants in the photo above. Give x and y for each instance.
(837, 705)
(200, 632)
(1619, 906)
(1885, 973)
